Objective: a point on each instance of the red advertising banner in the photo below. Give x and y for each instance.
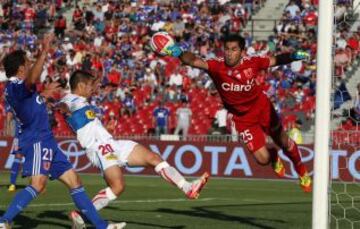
(219, 158)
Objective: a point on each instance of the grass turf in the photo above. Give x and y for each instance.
(149, 202)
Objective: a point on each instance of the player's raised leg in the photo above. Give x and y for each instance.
(60, 170)
(115, 179)
(141, 156)
(291, 150)
(254, 138)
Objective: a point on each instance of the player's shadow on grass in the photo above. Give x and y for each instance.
(22, 221)
(152, 225)
(205, 212)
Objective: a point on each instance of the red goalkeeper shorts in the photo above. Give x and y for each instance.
(254, 125)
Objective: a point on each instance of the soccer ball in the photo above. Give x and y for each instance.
(159, 41)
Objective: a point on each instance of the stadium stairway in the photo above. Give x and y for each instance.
(264, 22)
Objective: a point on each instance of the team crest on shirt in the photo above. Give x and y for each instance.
(248, 73)
(46, 165)
(39, 100)
(90, 114)
(111, 157)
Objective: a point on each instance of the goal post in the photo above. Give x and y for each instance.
(320, 206)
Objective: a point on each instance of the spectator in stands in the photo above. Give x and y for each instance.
(112, 123)
(86, 63)
(340, 11)
(176, 79)
(299, 94)
(355, 111)
(60, 26)
(178, 27)
(78, 18)
(150, 79)
(221, 118)
(169, 94)
(161, 119)
(342, 61)
(129, 107)
(295, 132)
(182, 96)
(41, 17)
(292, 8)
(183, 115)
(249, 4)
(341, 94)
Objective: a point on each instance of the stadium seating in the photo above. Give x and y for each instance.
(128, 54)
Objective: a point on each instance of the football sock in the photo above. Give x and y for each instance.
(14, 170)
(171, 175)
(293, 153)
(103, 198)
(86, 207)
(273, 155)
(20, 201)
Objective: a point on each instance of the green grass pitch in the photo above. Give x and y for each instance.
(149, 202)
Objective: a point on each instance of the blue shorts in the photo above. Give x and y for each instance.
(45, 158)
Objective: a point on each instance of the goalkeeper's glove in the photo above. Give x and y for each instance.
(300, 55)
(173, 50)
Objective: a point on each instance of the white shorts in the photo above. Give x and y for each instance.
(114, 152)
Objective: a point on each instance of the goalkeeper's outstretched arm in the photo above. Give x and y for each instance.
(287, 58)
(192, 60)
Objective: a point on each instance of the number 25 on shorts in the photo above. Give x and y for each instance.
(246, 136)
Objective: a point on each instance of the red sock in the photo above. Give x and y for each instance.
(293, 153)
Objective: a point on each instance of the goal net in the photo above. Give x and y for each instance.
(343, 210)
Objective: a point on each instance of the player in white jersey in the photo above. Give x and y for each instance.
(109, 154)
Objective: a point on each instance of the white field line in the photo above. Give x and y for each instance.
(120, 202)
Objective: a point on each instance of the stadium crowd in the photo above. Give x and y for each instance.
(141, 92)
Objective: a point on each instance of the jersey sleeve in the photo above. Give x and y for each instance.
(67, 100)
(18, 90)
(262, 62)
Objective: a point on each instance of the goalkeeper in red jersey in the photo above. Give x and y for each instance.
(253, 115)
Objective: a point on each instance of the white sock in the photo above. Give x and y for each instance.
(171, 175)
(103, 198)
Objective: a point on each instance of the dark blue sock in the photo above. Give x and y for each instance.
(20, 201)
(14, 171)
(84, 204)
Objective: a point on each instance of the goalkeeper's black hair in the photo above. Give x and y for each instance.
(79, 76)
(233, 37)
